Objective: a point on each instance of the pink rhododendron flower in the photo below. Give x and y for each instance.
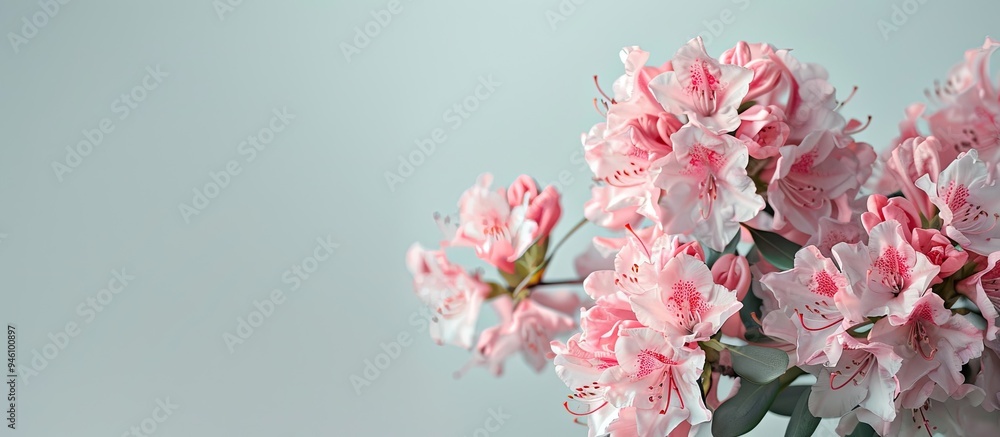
(833, 231)
(659, 378)
(811, 177)
(628, 177)
(983, 289)
(733, 272)
(814, 296)
(967, 201)
(543, 208)
(453, 295)
(502, 231)
(685, 302)
(864, 377)
(967, 119)
(710, 193)
(528, 329)
(989, 376)
(940, 251)
(763, 129)
(899, 209)
(888, 275)
(703, 89)
(638, 266)
(933, 343)
(757, 57)
(909, 161)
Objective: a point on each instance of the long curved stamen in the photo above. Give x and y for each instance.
(865, 126)
(596, 83)
(848, 99)
(861, 370)
(672, 388)
(566, 406)
(918, 338)
(802, 322)
(629, 227)
(598, 109)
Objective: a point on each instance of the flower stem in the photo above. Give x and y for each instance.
(563, 282)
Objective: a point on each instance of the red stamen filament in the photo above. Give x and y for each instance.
(629, 227)
(862, 367)
(802, 321)
(566, 406)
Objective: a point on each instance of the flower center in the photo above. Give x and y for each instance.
(703, 87)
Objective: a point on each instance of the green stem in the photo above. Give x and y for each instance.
(564, 282)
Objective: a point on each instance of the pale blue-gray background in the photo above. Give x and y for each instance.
(325, 175)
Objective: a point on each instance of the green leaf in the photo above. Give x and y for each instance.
(758, 364)
(711, 255)
(862, 430)
(802, 423)
(784, 403)
(496, 290)
(752, 305)
(745, 105)
(527, 263)
(774, 248)
(741, 413)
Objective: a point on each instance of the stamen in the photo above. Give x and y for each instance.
(629, 227)
(863, 366)
(566, 406)
(802, 321)
(858, 130)
(598, 109)
(848, 99)
(596, 83)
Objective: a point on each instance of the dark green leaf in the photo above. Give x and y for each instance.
(802, 423)
(751, 305)
(862, 430)
(711, 255)
(784, 403)
(745, 105)
(774, 248)
(741, 413)
(758, 364)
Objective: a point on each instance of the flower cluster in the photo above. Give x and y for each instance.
(700, 145)
(509, 229)
(752, 241)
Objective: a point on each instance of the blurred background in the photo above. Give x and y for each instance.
(166, 166)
